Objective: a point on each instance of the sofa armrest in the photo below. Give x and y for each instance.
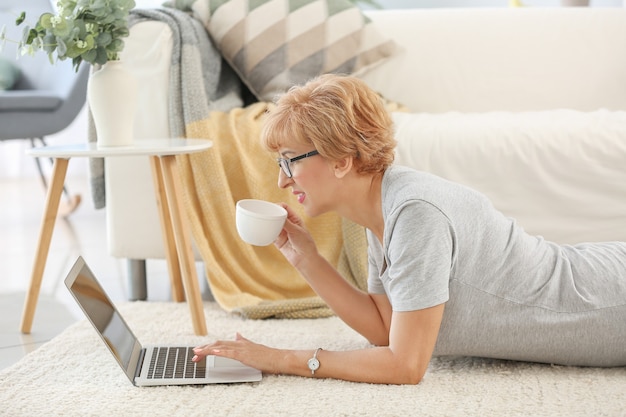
(132, 216)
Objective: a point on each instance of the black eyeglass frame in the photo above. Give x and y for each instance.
(284, 163)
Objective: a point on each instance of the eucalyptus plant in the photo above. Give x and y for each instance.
(81, 30)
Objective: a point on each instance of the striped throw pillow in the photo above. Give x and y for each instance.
(274, 44)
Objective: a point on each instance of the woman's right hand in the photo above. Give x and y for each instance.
(294, 241)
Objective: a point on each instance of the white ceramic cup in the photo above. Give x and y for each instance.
(259, 222)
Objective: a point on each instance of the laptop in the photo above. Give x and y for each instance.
(147, 365)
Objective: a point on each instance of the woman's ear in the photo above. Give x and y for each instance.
(343, 166)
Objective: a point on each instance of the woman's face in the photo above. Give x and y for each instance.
(311, 181)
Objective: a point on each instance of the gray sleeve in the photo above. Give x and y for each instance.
(419, 252)
(374, 258)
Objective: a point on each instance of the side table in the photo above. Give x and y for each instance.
(176, 236)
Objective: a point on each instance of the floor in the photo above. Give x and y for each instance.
(83, 233)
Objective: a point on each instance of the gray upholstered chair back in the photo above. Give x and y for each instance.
(47, 97)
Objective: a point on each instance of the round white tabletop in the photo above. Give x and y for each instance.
(158, 147)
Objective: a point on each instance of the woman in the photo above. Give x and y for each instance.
(448, 274)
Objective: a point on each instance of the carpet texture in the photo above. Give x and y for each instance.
(74, 375)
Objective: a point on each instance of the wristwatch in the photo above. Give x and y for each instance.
(314, 363)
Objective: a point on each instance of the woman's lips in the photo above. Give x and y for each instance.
(300, 197)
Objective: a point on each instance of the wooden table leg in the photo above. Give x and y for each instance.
(53, 198)
(173, 262)
(183, 243)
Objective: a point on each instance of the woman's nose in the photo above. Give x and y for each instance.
(283, 179)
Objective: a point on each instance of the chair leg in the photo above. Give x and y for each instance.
(72, 201)
(42, 176)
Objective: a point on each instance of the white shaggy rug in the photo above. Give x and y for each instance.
(74, 374)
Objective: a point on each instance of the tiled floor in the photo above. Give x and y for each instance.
(81, 233)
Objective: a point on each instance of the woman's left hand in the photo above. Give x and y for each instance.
(258, 356)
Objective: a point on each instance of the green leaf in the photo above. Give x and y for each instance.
(29, 35)
(69, 6)
(116, 46)
(63, 28)
(73, 51)
(76, 63)
(99, 4)
(122, 32)
(102, 57)
(104, 39)
(61, 48)
(26, 34)
(45, 20)
(127, 4)
(20, 19)
(90, 56)
(91, 42)
(49, 43)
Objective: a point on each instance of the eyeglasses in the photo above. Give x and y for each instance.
(285, 164)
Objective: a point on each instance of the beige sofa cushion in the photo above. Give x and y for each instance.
(503, 59)
(559, 173)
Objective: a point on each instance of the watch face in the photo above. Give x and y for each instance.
(314, 364)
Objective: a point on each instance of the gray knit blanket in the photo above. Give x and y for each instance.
(200, 82)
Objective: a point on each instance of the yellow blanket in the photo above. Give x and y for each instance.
(256, 282)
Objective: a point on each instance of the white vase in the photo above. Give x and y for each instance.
(112, 98)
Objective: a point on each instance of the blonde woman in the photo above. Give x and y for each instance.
(448, 274)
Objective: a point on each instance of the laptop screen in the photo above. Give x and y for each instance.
(101, 312)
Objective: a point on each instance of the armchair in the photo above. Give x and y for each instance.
(46, 98)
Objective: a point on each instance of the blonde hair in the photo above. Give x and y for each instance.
(340, 116)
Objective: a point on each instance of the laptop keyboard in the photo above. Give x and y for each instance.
(175, 362)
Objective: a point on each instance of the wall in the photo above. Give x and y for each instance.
(408, 4)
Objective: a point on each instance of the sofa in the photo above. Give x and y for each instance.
(527, 105)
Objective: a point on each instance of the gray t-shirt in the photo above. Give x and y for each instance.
(508, 294)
